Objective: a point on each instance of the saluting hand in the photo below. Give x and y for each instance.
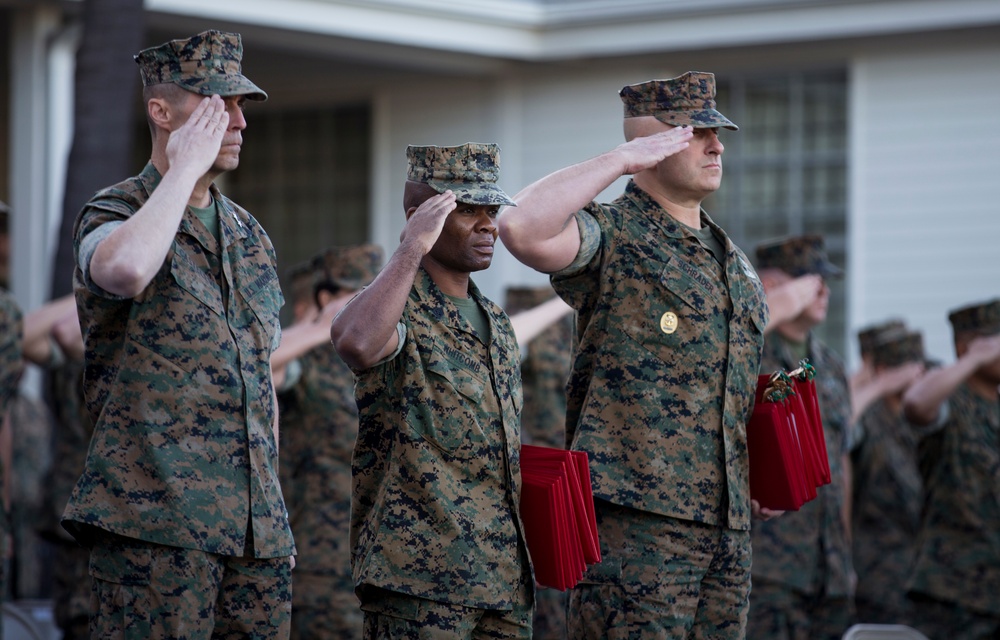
(985, 348)
(196, 143)
(424, 225)
(642, 153)
(898, 378)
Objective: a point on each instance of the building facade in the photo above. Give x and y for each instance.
(874, 122)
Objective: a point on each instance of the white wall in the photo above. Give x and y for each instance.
(925, 181)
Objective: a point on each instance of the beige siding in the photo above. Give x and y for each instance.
(925, 220)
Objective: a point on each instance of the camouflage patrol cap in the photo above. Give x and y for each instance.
(470, 171)
(208, 63)
(797, 256)
(352, 267)
(688, 99)
(980, 319)
(869, 336)
(898, 349)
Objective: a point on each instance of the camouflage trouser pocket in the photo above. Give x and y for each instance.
(121, 575)
(392, 604)
(607, 571)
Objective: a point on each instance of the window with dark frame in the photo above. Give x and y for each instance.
(305, 175)
(786, 168)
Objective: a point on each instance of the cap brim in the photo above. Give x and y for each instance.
(825, 269)
(479, 193)
(703, 119)
(830, 270)
(228, 85)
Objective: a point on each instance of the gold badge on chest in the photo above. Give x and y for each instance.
(668, 322)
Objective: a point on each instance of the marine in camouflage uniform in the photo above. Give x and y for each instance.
(301, 289)
(437, 542)
(956, 578)
(545, 367)
(865, 388)
(802, 569)
(73, 428)
(11, 366)
(670, 319)
(180, 501)
(31, 434)
(316, 458)
(888, 491)
(54, 343)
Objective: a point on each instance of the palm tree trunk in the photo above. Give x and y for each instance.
(106, 85)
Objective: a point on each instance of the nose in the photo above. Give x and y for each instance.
(236, 119)
(487, 222)
(714, 145)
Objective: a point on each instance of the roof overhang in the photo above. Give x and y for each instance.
(566, 29)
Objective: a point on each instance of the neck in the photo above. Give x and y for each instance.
(686, 210)
(451, 283)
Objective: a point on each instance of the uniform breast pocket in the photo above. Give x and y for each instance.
(262, 293)
(447, 413)
(196, 282)
(667, 311)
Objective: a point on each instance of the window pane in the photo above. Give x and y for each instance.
(305, 176)
(785, 170)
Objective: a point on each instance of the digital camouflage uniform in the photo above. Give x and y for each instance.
(662, 385)
(868, 337)
(668, 342)
(437, 543)
(11, 366)
(316, 456)
(956, 580)
(802, 560)
(545, 366)
(888, 496)
(180, 488)
(73, 428)
(437, 462)
(31, 433)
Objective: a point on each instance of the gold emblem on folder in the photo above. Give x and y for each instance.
(668, 322)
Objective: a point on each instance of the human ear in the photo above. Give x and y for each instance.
(158, 111)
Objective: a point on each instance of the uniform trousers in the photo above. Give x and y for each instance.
(396, 616)
(781, 613)
(662, 578)
(325, 607)
(146, 591)
(952, 621)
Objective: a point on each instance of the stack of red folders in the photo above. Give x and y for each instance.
(785, 441)
(557, 508)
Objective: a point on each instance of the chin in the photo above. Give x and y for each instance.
(223, 164)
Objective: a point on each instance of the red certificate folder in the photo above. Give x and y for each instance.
(805, 389)
(778, 448)
(557, 507)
